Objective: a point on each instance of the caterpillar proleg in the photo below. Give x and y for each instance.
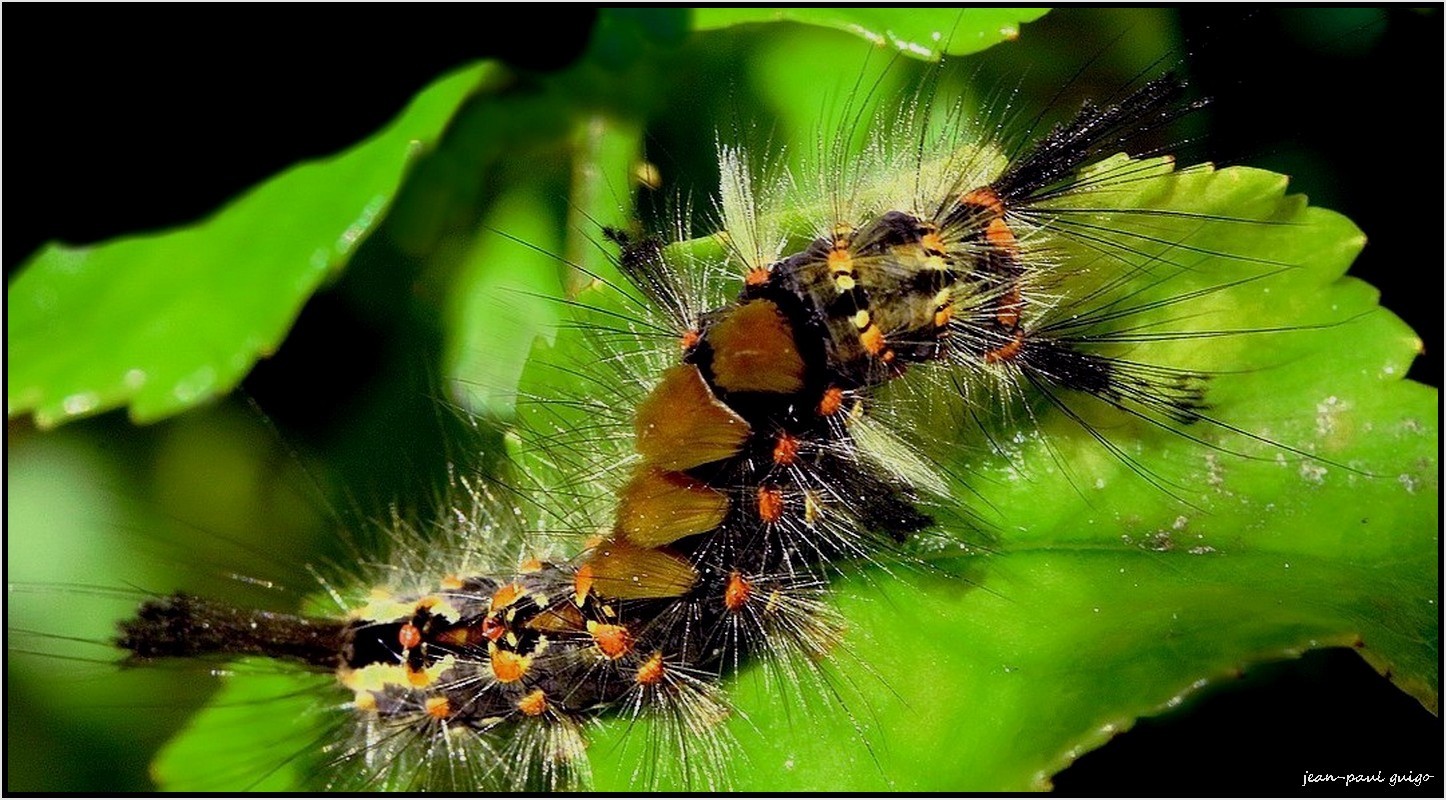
(940, 419)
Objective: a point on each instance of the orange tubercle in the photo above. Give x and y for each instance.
(785, 450)
(735, 595)
(409, 637)
(533, 704)
(832, 401)
(439, 707)
(509, 667)
(613, 640)
(756, 276)
(506, 596)
(932, 243)
(651, 672)
(770, 503)
(689, 339)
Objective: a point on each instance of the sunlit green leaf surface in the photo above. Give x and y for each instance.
(926, 33)
(160, 322)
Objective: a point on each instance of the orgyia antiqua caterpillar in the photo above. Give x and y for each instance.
(1102, 292)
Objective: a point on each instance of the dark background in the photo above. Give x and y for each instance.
(123, 120)
(112, 134)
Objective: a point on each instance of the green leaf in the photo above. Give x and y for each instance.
(164, 321)
(220, 749)
(54, 586)
(498, 313)
(1110, 590)
(927, 33)
(527, 262)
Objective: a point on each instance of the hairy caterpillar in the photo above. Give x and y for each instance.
(1114, 436)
